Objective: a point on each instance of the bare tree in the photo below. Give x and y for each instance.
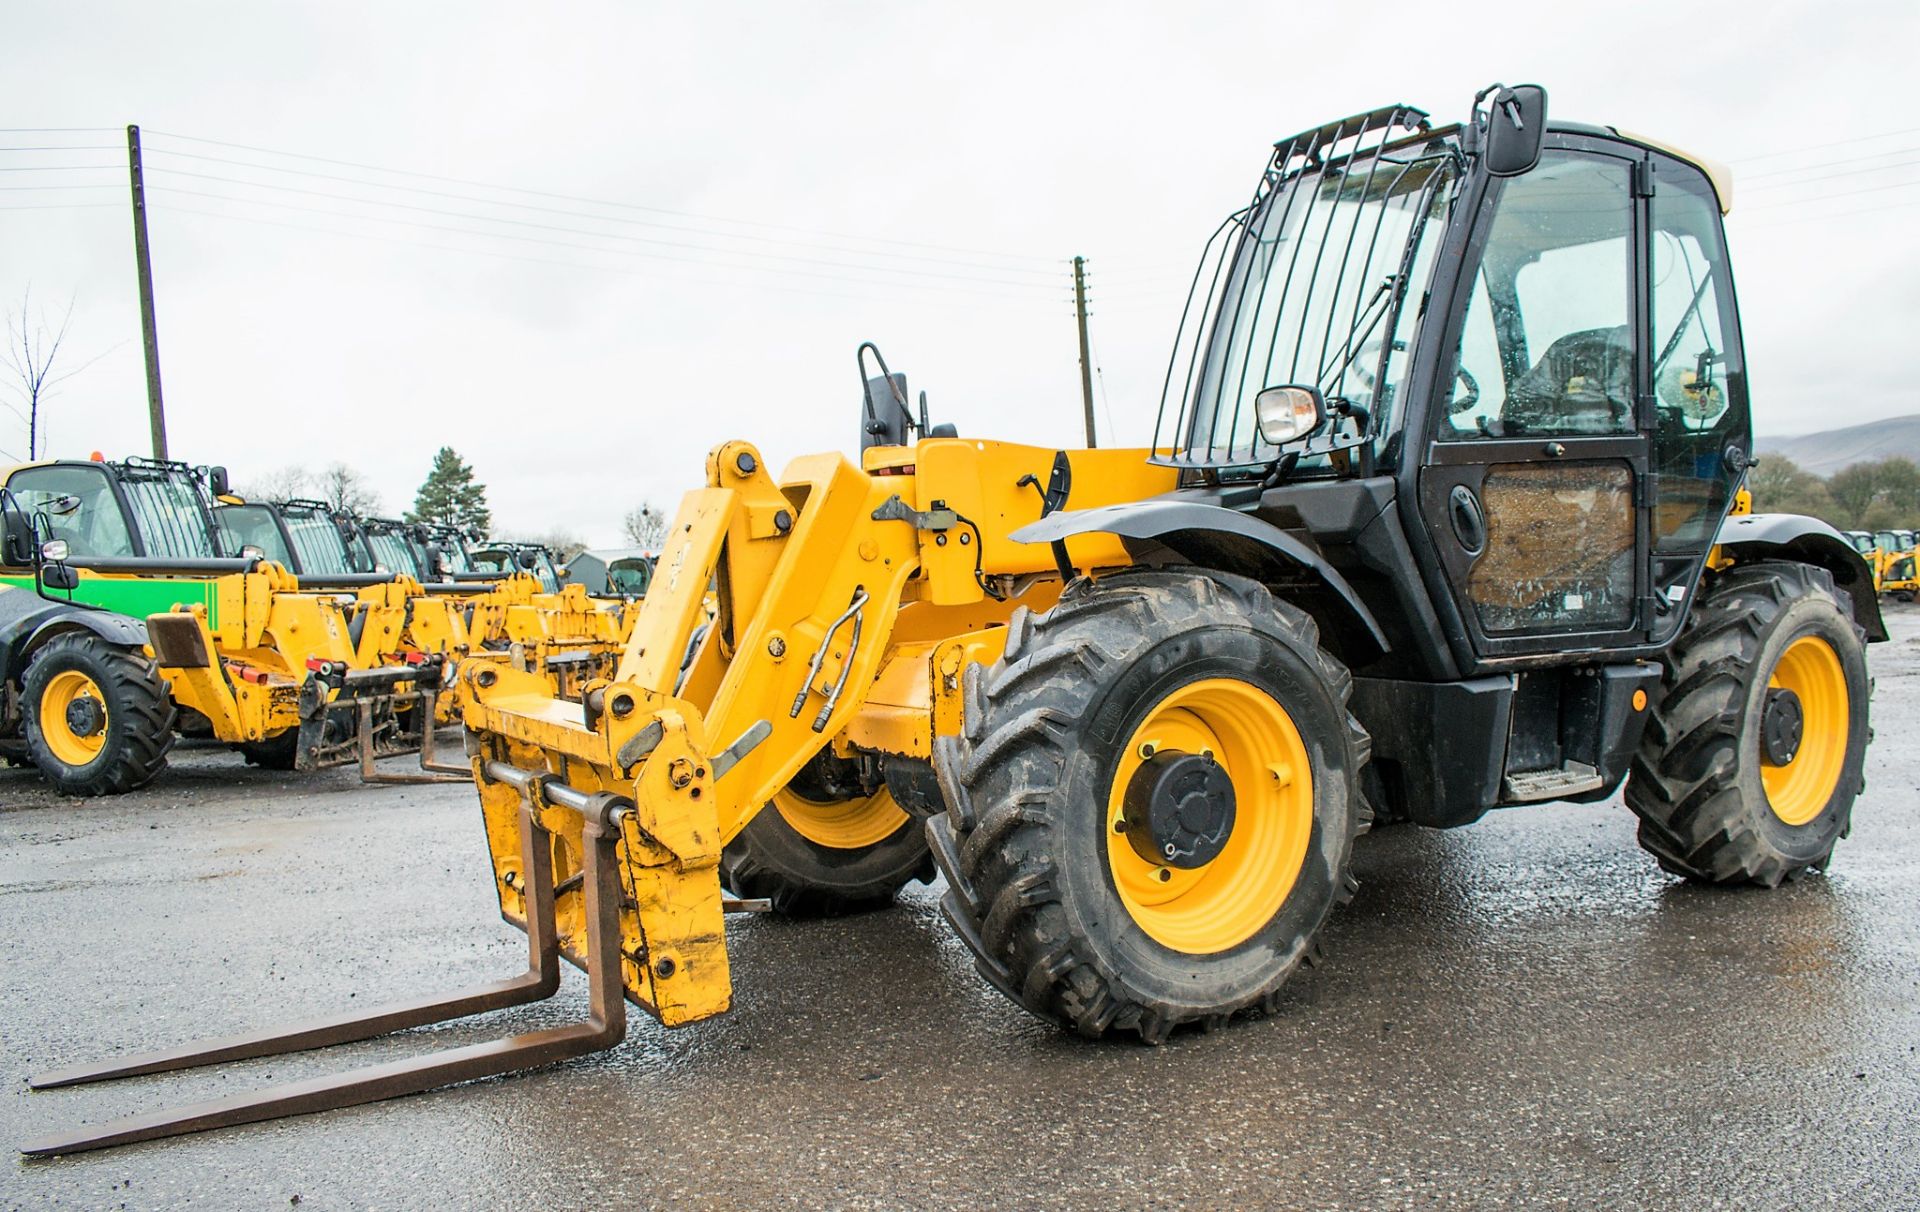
(346, 491)
(33, 346)
(645, 526)
(281, 485)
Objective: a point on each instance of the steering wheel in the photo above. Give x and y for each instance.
(1473, 392)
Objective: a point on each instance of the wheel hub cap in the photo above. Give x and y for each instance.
(1179, 809)
(1782, 726)
(84, 717)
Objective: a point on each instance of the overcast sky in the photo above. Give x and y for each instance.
(791, 179)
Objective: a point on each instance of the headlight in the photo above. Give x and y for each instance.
(1287, 413)
(54, 551)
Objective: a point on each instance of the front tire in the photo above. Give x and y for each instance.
(1755, 752)
(98, 717)
(1140, 691)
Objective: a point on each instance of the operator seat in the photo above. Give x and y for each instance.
(1583, 384)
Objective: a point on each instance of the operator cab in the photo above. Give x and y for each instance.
(137, 508)
(305, 537)
(1535, 365)
(505, 558)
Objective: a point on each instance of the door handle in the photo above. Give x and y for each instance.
(1469, 523)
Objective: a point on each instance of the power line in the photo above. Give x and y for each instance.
(622, 252)
(76, 147)
(605, 269)
(1801, 168)
(1850, 193)
(562, 229)
(1797, 221)
(462, 197)
(1790, 151)
(57, 168)
(1822, 180)
(401, 172)
(62, 206)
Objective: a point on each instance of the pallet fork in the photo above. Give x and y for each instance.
(604, 1026)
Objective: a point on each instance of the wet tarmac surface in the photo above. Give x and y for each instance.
(1524, 1012)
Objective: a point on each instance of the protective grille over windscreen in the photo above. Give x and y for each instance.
(1304, 287)
(169, 509)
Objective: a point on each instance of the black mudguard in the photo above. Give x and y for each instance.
(28, 620)
(1208, 535)
(1792, 536)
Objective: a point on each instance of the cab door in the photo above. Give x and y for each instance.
(1536, 487)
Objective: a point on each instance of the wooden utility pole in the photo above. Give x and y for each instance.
(149, 334)
(1086, 364)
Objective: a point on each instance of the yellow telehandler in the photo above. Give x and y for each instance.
(1438, 518)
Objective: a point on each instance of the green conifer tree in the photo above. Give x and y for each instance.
(451, 497)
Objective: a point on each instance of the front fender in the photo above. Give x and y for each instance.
(1208, 535)
(28, 620)
(1793, 536)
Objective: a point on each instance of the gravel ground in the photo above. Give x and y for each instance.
(1526, 1011)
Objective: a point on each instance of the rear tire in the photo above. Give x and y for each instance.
(825, 847)
(1049, 889)
(98, 717)
(1712, 806)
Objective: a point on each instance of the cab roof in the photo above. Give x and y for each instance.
(1718, 175)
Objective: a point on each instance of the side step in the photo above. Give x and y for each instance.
(1532, 786)
(605, 1026)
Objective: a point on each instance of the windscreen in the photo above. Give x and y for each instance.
(629, 577)
(1305, 287)
(244, 526)
(317, 541)
(392, 553)
(169, 511)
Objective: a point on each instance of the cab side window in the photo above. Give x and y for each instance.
(1699, 386)
(1547, 347)
(78, 505)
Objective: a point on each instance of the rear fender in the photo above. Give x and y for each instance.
(1213, 537)
(1745, 538)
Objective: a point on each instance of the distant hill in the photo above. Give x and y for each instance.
(1828, 451)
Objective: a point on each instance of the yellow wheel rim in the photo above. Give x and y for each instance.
(64, 690)
(845, 825)
(1800, 790)
(1223, 903)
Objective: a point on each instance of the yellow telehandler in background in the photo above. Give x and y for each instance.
(1415, 532)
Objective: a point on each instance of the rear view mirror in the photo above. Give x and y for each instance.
(217, 481)
(528, 560)
(1516, 126)
(17, 548)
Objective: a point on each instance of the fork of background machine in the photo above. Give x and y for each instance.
(604, 1026)
(429, 705)
(361, 692)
